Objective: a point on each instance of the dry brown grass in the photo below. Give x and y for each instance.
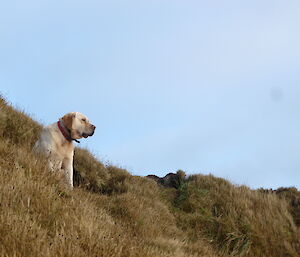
(113, 213)
(291, 195)
(237, 220)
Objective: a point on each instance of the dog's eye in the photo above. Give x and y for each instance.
(84, 120)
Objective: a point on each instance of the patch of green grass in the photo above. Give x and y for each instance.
(236, 220)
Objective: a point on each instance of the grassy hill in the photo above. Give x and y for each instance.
(112, 213)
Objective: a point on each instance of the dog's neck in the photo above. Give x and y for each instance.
(66, 132)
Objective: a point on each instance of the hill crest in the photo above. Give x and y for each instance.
(112, 213)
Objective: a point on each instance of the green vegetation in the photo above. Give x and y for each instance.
(112, 213)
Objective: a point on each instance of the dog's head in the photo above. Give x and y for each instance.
(78, 124)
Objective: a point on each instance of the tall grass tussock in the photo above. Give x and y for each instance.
(112, 213)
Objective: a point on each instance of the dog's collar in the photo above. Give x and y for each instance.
(66, 133)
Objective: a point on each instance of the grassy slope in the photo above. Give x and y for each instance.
(113, 213)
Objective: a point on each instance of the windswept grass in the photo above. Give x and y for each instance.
(112, 213)
(237, 220)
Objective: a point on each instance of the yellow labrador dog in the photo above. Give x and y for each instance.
(56, 142)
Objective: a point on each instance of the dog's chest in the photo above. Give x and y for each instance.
(65, 149)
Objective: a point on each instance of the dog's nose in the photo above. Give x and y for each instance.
(94, 127)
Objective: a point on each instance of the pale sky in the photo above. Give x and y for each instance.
(202, 86)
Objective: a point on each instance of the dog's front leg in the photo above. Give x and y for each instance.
(68, 169)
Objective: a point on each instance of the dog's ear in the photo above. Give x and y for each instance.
(68, 120)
